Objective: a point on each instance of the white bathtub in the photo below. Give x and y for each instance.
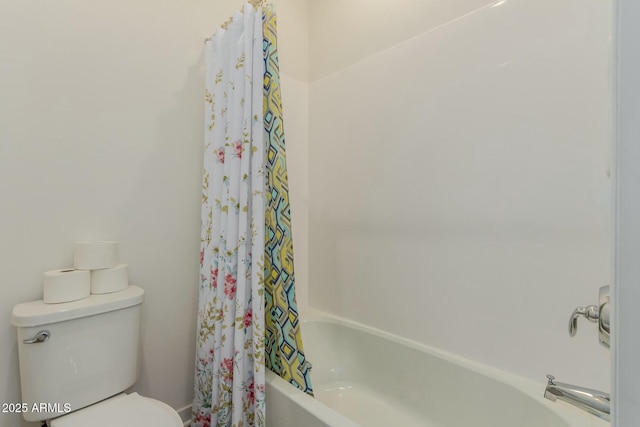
(365, 377)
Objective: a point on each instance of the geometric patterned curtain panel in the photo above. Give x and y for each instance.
(284, 350)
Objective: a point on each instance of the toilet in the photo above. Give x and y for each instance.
(77, 358)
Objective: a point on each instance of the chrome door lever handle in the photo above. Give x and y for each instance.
(41, 336)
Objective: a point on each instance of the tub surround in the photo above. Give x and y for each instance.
(473, 190)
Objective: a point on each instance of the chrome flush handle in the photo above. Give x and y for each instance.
(41, 336)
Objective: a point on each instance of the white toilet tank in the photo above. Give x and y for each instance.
(91, 352)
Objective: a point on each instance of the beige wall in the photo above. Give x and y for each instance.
(458, 175)
(101, 138)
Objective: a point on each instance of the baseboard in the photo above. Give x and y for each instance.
(185, 415)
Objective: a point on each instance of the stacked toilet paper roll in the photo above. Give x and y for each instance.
(95, 255)
(107, 280)
(96, 271)
(65, 285)
(101, 258)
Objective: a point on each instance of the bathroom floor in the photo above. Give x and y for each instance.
(367, 406)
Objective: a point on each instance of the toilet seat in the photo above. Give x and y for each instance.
(123, 410)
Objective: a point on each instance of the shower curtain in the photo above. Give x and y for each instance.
(229, 380)
(285, 354)
(243, 267)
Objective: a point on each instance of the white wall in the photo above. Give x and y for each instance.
(101, 138)
(458, 175)
(345, 32)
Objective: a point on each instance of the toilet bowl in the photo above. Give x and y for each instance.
(78, 358)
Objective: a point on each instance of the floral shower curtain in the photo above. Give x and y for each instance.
(230, 377)
(246, 258)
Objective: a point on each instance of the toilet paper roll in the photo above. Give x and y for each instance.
(65, 285)
(109, 280)
(95, 255)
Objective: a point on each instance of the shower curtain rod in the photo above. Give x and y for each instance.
(255, 3)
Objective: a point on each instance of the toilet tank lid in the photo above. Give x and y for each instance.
(36, 313)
